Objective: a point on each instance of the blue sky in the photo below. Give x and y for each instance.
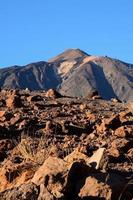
(34, 30)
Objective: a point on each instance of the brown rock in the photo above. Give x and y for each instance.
(83, 107)
(111, 123)
(13, 101)
(27, 191)
(15, 119)
(96, 97)
(129, 131)
(92, 94)
(34, 98)
(130, 106)
(2, 113)
(114, 152)
(5, 146)
(94, 188)
(22, 124)
(51, 93)
(114, 100)
(76, 156)
(120, 132)
(130, 153)
(125, 114)
(120, 143)
(13, 175)
(45, 194)
(105, 185)
(48, 126)
(116, 147)
(90, 116)
(52, 174)
(53, 151)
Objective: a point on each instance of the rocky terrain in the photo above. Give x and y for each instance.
(74, 73)
(57, 147)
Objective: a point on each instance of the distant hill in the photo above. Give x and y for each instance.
(74, 73)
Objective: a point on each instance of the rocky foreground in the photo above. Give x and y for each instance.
(54, 147)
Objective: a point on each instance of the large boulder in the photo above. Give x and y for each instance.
(94, 188)
(53, 175)
(101, 185)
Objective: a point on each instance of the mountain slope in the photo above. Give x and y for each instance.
(35, 76)
(74, 73)
(111, 78)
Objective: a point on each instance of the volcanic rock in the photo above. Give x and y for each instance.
(51, 93)
(56, 148)
(93, 188)
(52, 173)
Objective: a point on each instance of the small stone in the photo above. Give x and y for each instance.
(2, 113)
(120, 132)
(82, 107)
(51, 93)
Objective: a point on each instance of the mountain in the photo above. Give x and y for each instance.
(74, 73)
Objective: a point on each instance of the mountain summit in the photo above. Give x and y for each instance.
(74, 73)
(69, 54)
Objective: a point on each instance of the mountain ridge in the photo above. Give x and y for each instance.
(74, 73)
